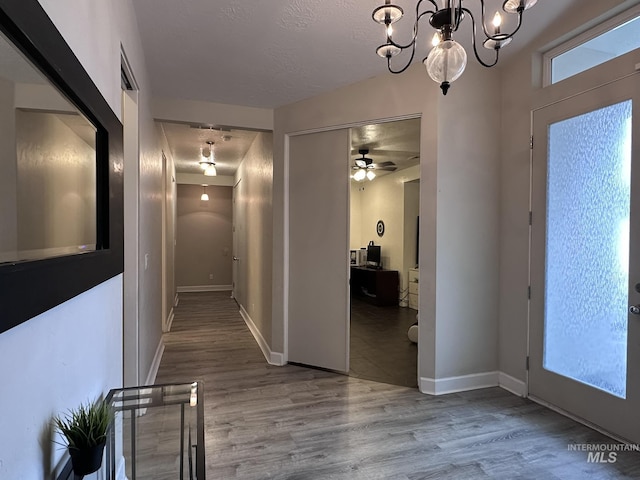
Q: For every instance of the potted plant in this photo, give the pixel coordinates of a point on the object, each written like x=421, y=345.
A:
x=85, y=431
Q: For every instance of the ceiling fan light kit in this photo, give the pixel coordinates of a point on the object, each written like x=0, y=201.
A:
x=447, y=59
x=364, y=167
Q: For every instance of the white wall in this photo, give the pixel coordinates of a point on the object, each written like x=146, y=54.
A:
x=468, y=226
x=214, y=114
x=383, y=199
x=74, y=352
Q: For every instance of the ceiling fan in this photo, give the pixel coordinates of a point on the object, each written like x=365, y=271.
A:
x=364, y=166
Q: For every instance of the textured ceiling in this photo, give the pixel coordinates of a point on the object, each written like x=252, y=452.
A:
x=270, y=53
x=185, y=143
x=397, y=142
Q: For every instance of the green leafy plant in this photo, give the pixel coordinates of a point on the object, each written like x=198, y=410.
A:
x=86, y=426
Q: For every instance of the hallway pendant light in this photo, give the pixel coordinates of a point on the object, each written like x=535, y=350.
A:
x=204, y=161
x=208, y=162
x=211, y=171
x=204, y=197
x=447, y=59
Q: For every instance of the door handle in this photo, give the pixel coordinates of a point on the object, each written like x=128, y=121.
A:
x=235, y=259
x=634, y=309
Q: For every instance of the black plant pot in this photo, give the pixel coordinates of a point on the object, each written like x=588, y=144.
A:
x=86, y=461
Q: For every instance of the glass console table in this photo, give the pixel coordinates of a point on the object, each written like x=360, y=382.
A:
x=157, y=434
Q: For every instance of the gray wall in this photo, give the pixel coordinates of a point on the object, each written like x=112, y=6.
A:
x=204, y=236
x=56, y=183
x=456, y=247
x=8, y=175
x=256, y=173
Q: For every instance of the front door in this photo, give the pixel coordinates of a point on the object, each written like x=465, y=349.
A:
x=585, y=257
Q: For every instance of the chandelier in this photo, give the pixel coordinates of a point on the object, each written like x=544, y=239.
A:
x=447, y=59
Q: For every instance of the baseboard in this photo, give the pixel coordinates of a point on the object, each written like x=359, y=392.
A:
x=155, y=365
x=273, y=358
x=204, y=288
x=442, y=386
x=511, y=384
x=170, y=319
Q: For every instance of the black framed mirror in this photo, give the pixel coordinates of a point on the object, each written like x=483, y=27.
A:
x=61, y=220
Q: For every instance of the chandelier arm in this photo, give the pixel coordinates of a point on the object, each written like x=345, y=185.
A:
x=413, y=53
x=473, y=42
x=415, y=31
x=498, y=36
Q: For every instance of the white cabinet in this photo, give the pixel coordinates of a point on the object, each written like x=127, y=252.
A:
x=414, y=282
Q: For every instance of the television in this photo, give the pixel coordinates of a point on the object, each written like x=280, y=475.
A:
x=373, y=256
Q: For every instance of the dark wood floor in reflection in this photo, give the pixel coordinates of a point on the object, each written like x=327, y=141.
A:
x=380, y=348
x=295, y=423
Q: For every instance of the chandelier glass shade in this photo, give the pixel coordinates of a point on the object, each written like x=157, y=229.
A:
x=447, y=59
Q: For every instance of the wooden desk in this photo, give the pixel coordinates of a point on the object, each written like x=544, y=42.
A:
x=379, y=287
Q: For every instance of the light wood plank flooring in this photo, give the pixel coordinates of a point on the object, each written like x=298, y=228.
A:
x=295, y=423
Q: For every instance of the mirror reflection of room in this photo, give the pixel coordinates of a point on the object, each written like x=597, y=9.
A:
x=384, y=217
x=47, y=167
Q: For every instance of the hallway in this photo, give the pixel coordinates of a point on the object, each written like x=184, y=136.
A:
x=297, y=423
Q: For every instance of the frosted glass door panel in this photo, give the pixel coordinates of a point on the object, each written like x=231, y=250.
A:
x=587, y=248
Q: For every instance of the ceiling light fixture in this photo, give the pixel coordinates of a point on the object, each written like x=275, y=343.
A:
x=208, y=162
x=359, y=175
x=364, y=167
x=447, y=59
x=204, y=197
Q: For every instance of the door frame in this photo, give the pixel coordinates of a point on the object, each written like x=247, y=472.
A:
x=286, y=220
x=131, y=192
x=608, y=73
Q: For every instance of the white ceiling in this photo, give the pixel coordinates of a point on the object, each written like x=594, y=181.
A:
x=270, y=53
x=185, y=143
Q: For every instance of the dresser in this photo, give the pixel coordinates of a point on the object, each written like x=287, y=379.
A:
x=414, y=287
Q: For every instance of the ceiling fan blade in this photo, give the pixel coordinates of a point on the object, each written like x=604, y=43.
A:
x=387, y=169
x=385, y=164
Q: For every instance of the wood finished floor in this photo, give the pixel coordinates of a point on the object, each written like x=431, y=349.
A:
x=295, y=423
x=380, y=348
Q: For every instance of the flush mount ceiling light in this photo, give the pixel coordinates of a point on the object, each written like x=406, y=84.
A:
x=207, y=162
x=204, y=197
x=447, y=59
